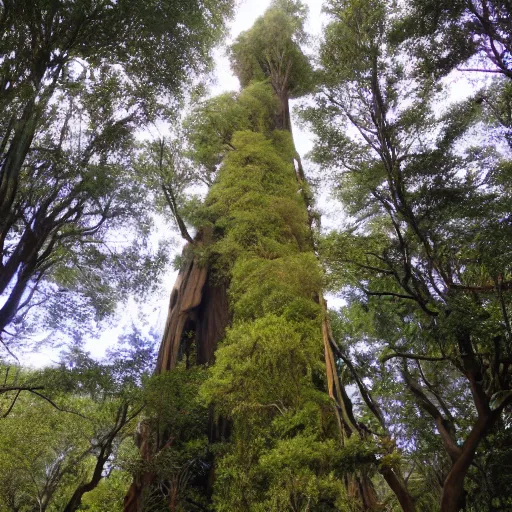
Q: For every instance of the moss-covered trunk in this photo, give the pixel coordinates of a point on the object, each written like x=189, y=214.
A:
x=248, y=303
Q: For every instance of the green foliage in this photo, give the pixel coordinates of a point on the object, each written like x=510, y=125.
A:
x=443, y=35
x=271, y=50
x=178, y=422
x=292, y=476
x=49, y=450
x=281, y=286
x=64, y=429
x=490, y=481
x=353, y=36
x=268, y=376
x=275, y=357
x=40, y=445
x=78, y=79
x=110, y=493
x=172, y=405
x=211, y=125
x=419, y=260
x=255, y=205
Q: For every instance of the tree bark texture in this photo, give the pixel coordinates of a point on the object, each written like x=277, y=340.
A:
x=452, y=499
x=198, y=305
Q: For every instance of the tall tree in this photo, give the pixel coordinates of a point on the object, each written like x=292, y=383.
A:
x=251, y=278
x=255, y=239
x=425, y=210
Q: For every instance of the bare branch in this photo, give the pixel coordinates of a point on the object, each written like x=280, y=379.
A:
x=12, y=405
x=416, y=357
x=478, y=70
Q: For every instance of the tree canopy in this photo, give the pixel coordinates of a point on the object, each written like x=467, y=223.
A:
x=260, y=398
x=78, y=79
x=421, y=257
x=272, y=50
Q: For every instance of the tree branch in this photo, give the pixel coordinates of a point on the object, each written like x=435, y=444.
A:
x=416, y=357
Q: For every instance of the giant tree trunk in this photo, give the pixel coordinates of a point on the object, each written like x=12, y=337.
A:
x=198, y=304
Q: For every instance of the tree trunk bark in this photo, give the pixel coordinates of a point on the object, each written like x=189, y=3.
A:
x=399, y=489
x=196, y=304
x=284, y=121
x=452, y=499
x=76, y=500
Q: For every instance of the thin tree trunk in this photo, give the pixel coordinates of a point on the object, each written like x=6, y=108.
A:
x=16, y=154
x=76, y=500
x=346, y=416
x=452, y=499
x=399, y=490
x=10, y=308
x=283, y=121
